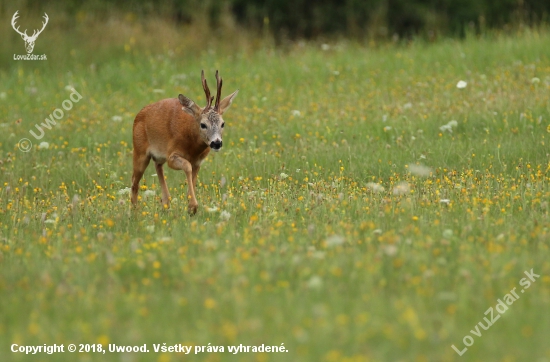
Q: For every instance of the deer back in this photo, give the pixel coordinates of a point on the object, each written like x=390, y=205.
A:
x=166, y=129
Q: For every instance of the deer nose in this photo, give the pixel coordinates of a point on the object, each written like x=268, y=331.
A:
x=216, y=145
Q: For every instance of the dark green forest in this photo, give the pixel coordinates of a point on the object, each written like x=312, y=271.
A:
x=304, y=19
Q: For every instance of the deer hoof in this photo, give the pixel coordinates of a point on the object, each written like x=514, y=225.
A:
x=192, y=209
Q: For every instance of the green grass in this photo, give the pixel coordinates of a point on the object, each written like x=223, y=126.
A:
x=311, y=256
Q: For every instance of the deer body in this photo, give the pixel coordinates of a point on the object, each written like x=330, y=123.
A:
x=178, y=132
x=179, y=128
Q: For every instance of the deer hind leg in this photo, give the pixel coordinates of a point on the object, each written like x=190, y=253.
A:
x=140, y=165
x=179, y=163
x=165, y=192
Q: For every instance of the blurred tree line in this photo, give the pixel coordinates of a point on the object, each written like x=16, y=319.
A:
x=294, y=19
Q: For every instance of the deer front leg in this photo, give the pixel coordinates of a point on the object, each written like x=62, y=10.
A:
x=179, y=163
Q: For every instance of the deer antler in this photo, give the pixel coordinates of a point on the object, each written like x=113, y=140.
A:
x=43, y=26
x=13, y=20
x=206, y=92
x=219, y=92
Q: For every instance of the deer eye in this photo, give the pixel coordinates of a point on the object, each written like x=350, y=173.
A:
x=203, y=126
x=223, y=124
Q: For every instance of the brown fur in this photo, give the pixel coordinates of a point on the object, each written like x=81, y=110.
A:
x=169, y=131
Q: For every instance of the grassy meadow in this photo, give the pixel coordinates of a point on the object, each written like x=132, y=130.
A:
x=363, y=208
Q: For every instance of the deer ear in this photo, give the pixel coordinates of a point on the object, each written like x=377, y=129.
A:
x=226, y=102
x=189, y=106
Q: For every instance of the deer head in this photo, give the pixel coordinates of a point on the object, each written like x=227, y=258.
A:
x=29, y=40
x=209, y=118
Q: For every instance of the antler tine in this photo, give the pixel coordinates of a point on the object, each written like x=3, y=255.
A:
x=46, y=18
x=13, y=20
x=206, y=92
x=219, y=92
x=37, y=32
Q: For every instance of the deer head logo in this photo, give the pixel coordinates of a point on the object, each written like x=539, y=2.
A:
x=29, y=40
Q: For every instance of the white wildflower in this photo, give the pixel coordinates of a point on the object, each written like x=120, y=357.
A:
x=535, y=80
x=124, y=191
x=445, y=201
x=283, y=175
x=390, y=250
x=446, y=128
x=148, y=193
x=449, y=126
x=373, y=186
x=420, y=170
x=461, y=84
x=335, y=240
x=447, y=233
x=401, y=188
x=116, y=118
x=296, y=113
x=315, y=282
x=44, y=145
x=225, y=215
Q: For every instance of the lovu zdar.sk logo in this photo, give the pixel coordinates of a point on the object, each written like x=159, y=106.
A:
x=29, y=40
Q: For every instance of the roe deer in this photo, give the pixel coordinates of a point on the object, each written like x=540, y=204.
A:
x=178, y=131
